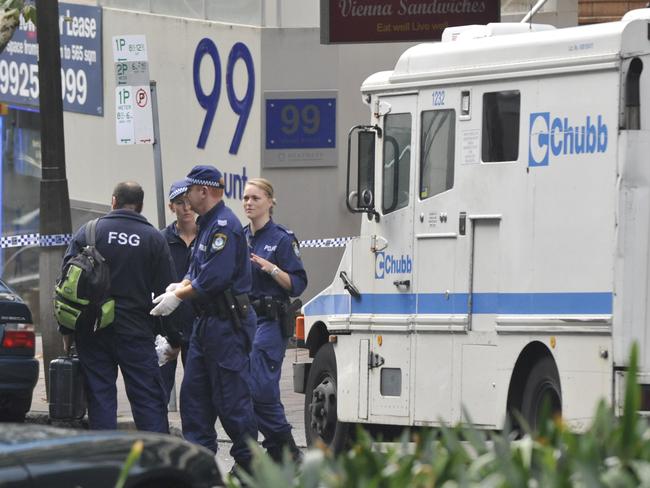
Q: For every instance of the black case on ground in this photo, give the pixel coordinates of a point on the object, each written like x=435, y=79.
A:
x=67, y=395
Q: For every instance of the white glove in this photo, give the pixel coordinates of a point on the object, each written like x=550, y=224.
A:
x=165, y=351
x=173, y=287
x=167, y=303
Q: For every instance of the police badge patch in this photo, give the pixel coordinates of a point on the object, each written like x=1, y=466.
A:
x=219, y=241
x=296, y=248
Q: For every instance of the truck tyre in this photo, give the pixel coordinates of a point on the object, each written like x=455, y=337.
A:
x=321, y=421
x=542, y=391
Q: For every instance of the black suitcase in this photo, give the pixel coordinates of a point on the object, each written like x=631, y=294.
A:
x=67, y=395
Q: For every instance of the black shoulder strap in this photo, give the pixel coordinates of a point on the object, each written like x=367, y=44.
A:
x=90, y=232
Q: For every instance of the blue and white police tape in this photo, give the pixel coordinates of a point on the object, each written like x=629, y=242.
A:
x=36, y=239
x=327, y=242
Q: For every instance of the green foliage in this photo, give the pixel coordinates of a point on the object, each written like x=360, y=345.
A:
x=19, y=7
x=613, y=452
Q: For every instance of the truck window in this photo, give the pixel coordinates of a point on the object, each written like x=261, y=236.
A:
x=437, y=138
x=500, y=126
x=396, y=162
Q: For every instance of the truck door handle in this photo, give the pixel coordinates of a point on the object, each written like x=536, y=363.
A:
x=349, y=286
x=404, y=283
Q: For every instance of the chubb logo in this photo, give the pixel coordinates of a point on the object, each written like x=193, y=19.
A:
x=387, y=264
x=561, y=137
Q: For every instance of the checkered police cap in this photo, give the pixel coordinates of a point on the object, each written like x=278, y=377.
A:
x=204, y=175
x=177, y=189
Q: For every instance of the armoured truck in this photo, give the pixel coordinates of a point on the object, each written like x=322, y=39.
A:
x=503, y=259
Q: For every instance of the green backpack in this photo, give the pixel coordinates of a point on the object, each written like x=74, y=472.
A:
x=81, y=296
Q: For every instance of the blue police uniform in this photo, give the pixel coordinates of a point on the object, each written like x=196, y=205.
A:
x=183, y=316
x=140, y=264
x=279, y=246
x=215, y=383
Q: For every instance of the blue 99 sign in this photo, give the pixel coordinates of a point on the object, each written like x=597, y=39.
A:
x=209, y=100
x=300, y=123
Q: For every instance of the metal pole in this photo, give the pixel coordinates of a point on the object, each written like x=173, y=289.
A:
x=533, y=11
x=55, y=203
x=157, y=157
x=160, y=191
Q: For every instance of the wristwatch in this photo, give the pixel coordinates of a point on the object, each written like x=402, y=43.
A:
x=274, y=271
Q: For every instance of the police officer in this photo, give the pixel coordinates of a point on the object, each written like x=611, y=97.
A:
x=180, y=236
x=140, y=264
x=278, y=273
x=215, y=383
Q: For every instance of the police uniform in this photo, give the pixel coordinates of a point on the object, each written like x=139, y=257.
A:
x=279, y=246
x=215, y=383
x=183, y=316
x=140, y=264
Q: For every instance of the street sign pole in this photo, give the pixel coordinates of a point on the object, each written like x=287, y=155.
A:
x=157, y=158
x=160, y=192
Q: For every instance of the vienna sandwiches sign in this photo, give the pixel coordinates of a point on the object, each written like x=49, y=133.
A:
x=400, y=20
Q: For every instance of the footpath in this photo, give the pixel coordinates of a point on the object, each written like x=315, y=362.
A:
x=293, y=404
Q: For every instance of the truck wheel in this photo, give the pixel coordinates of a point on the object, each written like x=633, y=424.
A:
x=542, y=394
x=321, y=421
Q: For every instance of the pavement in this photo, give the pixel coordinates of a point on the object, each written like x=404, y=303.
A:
x=293, y=404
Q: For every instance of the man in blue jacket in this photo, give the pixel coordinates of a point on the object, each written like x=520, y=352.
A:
x=215, y=384
x=140, y=265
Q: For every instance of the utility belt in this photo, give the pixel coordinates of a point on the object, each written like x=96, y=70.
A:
x=282, y=311
x=269, y=307
x=226, y=306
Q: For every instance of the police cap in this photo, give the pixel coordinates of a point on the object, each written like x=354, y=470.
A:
x=177, y=189
x=204, y=175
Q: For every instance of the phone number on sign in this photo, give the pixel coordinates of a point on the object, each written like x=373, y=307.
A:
x=21, y=79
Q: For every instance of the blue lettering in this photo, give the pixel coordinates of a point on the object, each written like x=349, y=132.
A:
x=388, y=265
x=556, y=135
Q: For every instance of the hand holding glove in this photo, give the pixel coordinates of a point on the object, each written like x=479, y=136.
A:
x=165, y=351
x=166, y=303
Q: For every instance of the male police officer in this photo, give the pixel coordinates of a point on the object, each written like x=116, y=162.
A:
x=215, y=383
x=140, y=264
x=180, y=236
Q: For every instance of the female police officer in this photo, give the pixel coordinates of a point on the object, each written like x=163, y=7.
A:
x=278, y=273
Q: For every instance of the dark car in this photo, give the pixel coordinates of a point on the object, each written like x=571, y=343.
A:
x=18, y=367
x=41, y=456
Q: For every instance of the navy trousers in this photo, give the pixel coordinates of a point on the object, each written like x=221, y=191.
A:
x=215, y=385
x=100, y=354
x=266, y=367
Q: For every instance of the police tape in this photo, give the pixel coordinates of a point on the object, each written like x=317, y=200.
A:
x=327, y=242
x=36, y=239
x=25, y=240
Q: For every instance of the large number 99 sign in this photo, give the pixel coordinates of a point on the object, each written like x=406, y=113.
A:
x=210, y=101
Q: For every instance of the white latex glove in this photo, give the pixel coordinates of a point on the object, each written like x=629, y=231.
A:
x=172, y=287
x=161, y=344
x=166, y=304
x=165, y=351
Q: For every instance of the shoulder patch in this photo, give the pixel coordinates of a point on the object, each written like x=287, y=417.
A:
x=222, y=223
x=219, y=241
x=296, y=248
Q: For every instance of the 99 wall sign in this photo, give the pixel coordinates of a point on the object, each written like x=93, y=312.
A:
x=299, y=129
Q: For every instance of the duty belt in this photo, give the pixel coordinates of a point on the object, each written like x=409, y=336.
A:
x=269, y=307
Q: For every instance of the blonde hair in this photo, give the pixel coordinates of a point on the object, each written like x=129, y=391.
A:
x=266, y=186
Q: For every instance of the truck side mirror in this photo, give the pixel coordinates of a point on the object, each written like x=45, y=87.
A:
x=362, y=200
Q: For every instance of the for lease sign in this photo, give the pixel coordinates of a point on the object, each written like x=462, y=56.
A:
x=400, y=20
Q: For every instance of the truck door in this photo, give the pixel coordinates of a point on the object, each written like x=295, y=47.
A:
x=392, y=303
x=442, y=298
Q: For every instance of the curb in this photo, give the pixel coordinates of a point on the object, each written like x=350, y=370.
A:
x=123, y=423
